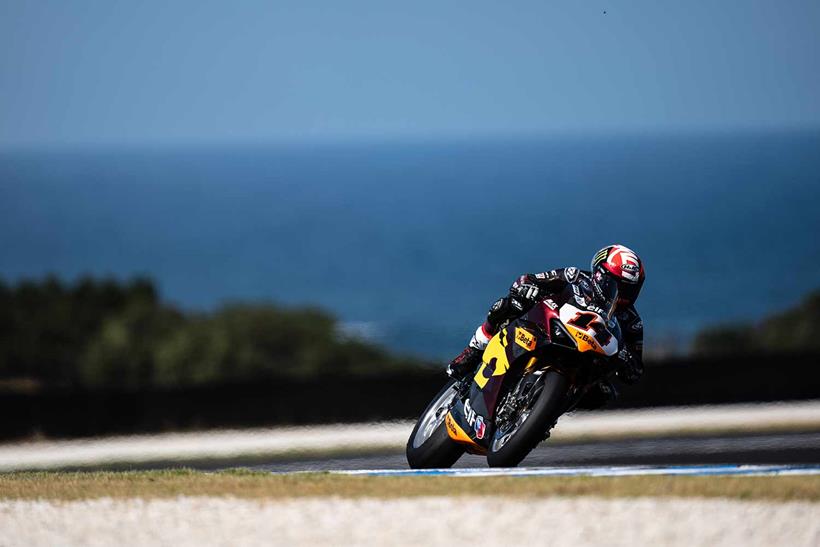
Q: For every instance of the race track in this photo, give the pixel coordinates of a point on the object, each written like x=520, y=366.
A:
x=602, y=471
x=793, y=448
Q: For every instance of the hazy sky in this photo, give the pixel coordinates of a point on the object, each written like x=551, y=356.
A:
x=79, y=71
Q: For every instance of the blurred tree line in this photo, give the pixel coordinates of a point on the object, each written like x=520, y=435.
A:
x=96, y=333
x=796, y=330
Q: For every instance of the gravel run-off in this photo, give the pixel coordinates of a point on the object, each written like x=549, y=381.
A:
x=409, y=521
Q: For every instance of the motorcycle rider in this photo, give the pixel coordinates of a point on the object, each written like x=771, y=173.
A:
x=614, y=266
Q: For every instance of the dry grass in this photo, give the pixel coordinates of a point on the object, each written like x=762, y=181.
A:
x=260, y=485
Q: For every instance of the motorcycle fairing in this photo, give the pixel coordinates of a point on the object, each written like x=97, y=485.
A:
x=470, y=421
x=589, y=330
x=455, y=431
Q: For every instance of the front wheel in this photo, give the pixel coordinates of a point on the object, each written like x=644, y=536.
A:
x=429, y=445
x=512, y=441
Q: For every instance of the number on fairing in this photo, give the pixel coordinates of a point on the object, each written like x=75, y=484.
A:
x=587, y=320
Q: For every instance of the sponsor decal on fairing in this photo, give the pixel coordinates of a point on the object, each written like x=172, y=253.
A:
x=474, y=420
x=480, y=427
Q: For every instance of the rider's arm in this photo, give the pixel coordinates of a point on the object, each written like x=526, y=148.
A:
x=632, y=328
x=552, y=281
x=524, y=292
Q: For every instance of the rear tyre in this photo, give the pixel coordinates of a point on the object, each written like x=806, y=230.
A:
x=429, y=446
x=511, y=444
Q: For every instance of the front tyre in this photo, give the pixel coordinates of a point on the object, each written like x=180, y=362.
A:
x=429, y=446
x=511, y=443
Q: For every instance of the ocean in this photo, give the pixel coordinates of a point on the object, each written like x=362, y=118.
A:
x=408, y=243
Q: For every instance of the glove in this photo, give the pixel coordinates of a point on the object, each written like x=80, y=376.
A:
x=523, y=293
x=630, y=369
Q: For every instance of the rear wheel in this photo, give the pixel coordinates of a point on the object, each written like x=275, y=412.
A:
x=527, y=426
x=429, y=446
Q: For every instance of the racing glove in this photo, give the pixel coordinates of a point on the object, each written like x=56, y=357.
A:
x=630, y=368
x=523, y=294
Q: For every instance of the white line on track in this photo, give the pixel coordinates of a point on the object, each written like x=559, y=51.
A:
x=604, y=471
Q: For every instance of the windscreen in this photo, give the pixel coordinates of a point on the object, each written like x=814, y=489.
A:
x=606, y=292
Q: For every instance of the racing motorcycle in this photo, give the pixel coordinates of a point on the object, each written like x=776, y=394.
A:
x=535, y=369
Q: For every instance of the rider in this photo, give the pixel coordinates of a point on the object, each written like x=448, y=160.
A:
x=614, y=266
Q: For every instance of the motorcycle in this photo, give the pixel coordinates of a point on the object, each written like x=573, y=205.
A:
x=535, y=369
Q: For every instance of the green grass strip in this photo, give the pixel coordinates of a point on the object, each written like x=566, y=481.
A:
x=261, y=485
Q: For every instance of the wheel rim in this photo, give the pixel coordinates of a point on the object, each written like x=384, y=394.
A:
x=434, y=416
x=502, y=436
x=500, y=441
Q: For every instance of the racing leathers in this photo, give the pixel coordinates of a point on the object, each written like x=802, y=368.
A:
x=528, y=289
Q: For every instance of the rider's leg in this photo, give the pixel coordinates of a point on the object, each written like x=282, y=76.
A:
x=467, y=361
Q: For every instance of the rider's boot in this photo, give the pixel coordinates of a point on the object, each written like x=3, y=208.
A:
x=465, y=363
x=469, y=359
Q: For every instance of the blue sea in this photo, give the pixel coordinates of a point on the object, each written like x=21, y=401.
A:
x=409, y=242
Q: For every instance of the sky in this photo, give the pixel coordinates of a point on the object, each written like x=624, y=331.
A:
x=111, y=72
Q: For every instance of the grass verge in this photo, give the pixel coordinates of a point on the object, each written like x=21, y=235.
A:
x=260, y=485
x=207, y=463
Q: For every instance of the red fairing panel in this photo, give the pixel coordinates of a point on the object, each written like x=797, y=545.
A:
x=541, y=314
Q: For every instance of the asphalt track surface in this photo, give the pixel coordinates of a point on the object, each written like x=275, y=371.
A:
x=792, y=448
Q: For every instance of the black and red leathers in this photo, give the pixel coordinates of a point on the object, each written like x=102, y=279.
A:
x=528, y=289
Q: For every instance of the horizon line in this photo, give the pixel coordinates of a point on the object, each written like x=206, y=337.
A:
x=367, y=139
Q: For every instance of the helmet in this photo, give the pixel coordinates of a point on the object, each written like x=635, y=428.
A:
x=619, y=266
